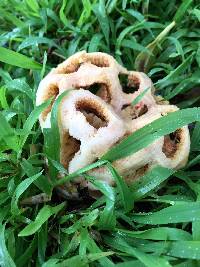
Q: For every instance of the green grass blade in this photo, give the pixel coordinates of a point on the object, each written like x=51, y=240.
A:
x=149, y=133
x=16, y=59
x=147, y=259
x=173, y=74
x=12, y=18
x=5, y=258
x=107, y=217
x=145, y=59
x=93, y=248
x=94, y=43
x=35, y=41
x=21, y=188
x=183, y=212
x=42, y=182
x=31, y=120
x=86, y=221
x=197, y=13
x=8, y=134
x=152, y=179
x=44, y=214
x=160, y=233
x=100, y=12
x=182, y=10
x=81, y=171
x=24, y=258
x=124, y=191
x=139, y=97
x=21, y=86
x=62, y=14
x=3, y=100
x=195, y=140
x=52, y=136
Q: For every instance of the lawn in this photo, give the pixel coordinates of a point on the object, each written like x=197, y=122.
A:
x=155, y=222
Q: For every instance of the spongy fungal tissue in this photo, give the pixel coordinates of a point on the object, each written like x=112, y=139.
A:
x=98, y=113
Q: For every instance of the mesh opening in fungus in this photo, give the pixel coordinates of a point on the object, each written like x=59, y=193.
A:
x=100, y=89
x=129, y=84
x=171, y=142
x=138, y=173
x=141, y=171
x=70, y=146
x=104, y=93
x=132, y=112
x=92, y=113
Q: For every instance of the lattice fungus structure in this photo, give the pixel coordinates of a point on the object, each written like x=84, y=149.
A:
x=98, y=113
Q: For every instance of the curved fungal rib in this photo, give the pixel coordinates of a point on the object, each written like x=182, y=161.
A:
x=98, y=59
x=71, y=64
x=48, y=88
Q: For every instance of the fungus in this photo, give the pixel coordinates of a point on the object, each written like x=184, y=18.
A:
x=98, y=113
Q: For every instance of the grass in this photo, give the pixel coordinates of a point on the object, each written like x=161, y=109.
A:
x=154, y=222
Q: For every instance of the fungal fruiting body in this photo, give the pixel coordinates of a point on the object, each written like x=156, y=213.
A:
x=98, y=113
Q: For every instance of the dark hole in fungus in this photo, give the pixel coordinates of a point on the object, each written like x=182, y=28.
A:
x=141, y=171
x=99, y=89
x=129, y=84
x=138, y=173
x=70, y=146
x=92, y=112
x=131, y=112
x=125, y=106
x=171, y=142
x=143, y=110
